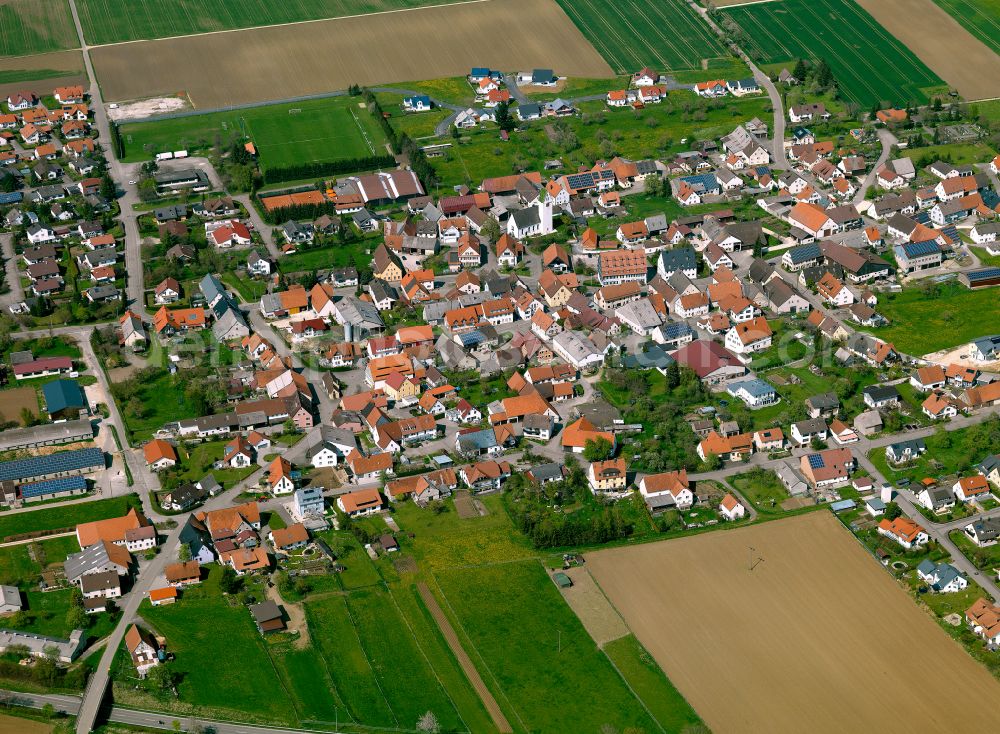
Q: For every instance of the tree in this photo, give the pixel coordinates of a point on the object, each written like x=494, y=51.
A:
x=673, y=375
x=108, y=188
x=48, y=711
x=428, y=723
x=76, y=618
x=505, y=120
x=824, y=74
x=147, y=190
x=892, y=511
x=229, y=582
x=491, y=229
x=184, y=553
x=597, y=449
x=799, y=72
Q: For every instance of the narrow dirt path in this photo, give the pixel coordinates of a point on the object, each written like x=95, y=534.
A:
x=463, y=659
x=296, y=617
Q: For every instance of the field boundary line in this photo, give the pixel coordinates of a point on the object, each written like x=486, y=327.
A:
x=368, y=659
x=475, y=649
x=423, y=654
x=464, y=662
x=290, y=23
x=635, y=695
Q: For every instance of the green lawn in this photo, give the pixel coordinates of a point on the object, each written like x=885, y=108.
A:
x=597, y=133
x=22, y=564
x=196, y=462
x=762, y=488
x=36, y=27
x=532, y=651
x=329, y=256
x=671, y=711
x=631, y=34
x=217, y=646
x=109, y=21
x=871, y=66
x=921, y=322
x=70, y=516
x=322, y=130
x=415, y=124
x=986, y=258
x=161, y=399
x=447, y=541
x=957, y=452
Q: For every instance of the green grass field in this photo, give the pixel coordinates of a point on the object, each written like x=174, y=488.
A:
x=36, y=27
x=110, y=21
x=544, y=669
x=641, y=672
x=200, y=648
x=631, y=34
x=598, y=133
x=948, y=452
x=981, y=18
x=869, y=64
x=921, y=323
x=322, y=130
x=54, y=518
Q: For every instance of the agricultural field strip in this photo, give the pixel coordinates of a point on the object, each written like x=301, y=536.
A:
x=312, y=59
x=625, y=61
x=759, y=28
x=423, y=654
x=368, y=660
x=586, y=16
x=466, y=642
x=137, y=35
x=974, y=18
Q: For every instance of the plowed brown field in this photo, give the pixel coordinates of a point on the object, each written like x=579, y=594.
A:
x=816, y=638
x=235, y=67
x=941, y=42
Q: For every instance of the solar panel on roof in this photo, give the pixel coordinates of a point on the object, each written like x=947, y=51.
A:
x=52, y=486
x=922, y=218
x=815, y=461
x=983, y=274
x=67, y=461
x=951, y=231
x=916, y=249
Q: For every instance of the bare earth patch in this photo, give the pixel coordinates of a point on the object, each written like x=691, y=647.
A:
x=147, y=108
x=587, y=600
x=940, y=41
x=816, y=638
x=261, y=64
x=464, y=505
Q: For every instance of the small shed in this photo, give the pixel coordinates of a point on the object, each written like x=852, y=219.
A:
x=268, y=617
x=562, y=580
x=388, y=543
x=843, y=505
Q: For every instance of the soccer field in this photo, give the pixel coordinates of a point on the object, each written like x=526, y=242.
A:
x=36, y=27
x=112, y=21
x=285, y=134
x=630, y=34
x=869, y=64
